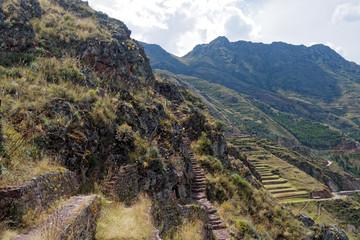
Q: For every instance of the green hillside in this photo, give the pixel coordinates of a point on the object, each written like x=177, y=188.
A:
x=314, y=84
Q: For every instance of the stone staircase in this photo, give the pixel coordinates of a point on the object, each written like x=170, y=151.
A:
x=198, y=193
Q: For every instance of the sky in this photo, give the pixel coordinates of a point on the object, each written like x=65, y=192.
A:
x=179, y=25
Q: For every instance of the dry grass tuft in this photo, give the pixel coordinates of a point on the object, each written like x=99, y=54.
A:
x=118, y=221
x=189, y=230
x=7, y=233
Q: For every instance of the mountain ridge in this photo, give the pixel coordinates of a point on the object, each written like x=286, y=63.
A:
x=308, y=82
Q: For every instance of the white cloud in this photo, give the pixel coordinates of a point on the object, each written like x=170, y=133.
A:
x=178, y=25
x=346, y=12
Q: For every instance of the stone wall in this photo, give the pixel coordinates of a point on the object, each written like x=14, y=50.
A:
x=82, y=225
x=36, y=194
x=75, y=219
x=168, y=216
x=134, y=178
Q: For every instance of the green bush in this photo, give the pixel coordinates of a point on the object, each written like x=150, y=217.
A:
x=220, y=125
x=211, y=164
x=239, y=181
x=125, y=138
x=203, y=145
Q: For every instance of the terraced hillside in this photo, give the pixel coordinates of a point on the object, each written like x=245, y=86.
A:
x=282, y=179
x=279, y=187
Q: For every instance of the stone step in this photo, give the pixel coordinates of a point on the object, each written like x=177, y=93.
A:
x=274, y=182
x=200, y=177
x=219, y=226
x=283, y=191
x=211, y=211
x=199, y=174
x=221, y=234
x=198, y=196
x=213, y=217
x=269, y=178
x=196, y=190
x=198, y=183
x=216, y=222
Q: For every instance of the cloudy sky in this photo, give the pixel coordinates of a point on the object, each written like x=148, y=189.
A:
x=178, y=25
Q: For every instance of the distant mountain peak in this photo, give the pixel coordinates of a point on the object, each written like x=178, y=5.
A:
x=220, y=40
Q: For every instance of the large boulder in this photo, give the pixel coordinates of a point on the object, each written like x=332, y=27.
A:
x=329, y=232
x=306, y=220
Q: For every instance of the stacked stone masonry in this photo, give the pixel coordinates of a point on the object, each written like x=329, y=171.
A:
x=36, y=194
x=76, y=219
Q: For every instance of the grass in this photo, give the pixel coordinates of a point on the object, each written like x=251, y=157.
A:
x=23, y=172
x=118, y=221
x=58, y=23
x=26, y=91
x=189, y=230
x=7, y=233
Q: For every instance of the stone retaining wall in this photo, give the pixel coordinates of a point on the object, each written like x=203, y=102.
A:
x=75, y=219
x=36, y=194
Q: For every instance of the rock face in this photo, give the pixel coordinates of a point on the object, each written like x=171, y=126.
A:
x=306, y=220
x=169, y=216
x=170, y=91
x=329, y=232
x=162, y=187
x=322, y=231
x=115, y=54
x=16, y=34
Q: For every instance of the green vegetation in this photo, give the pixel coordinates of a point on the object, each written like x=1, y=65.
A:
x=203, y=145
x=349, y=162
x=343, y=212
x=268, y=156
x=310, y=133
x=247, y=211
x=254, y=87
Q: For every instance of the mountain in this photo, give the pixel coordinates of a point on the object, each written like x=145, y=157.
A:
x=282, y=83
x=94, y=145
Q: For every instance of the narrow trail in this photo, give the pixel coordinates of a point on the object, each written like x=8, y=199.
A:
x=198, y=194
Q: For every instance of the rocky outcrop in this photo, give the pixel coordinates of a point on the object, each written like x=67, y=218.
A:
x=36, y=195
x=76, y=219
x=322, y=231
x=219, y=148
x=169, y=90
x=170, y=215
x=329, y=232
x=194, y=124
x=169, y=185
x=306, y=220
x=16, y=34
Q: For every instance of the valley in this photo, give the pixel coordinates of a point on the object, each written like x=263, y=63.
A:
x=104, y=137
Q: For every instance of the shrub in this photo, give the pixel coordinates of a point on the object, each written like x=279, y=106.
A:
x=240, y=182
x=220, y=125
x=211, y=164
x=125, y=137
x=203, y=145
